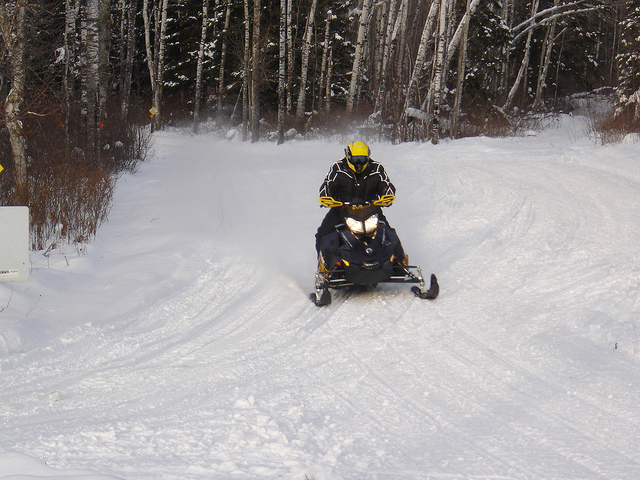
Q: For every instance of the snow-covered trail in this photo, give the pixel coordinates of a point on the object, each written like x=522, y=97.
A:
x=218, y=366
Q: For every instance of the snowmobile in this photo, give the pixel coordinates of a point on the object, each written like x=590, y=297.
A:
x=363, y=252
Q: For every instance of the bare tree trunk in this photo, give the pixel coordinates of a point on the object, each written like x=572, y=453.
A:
x=155, y=54
x=104, y=46
x=71, y=19
x=551, y=13
x=128, y=31
x=462, y=63
x=151, y=59
x=223, y=62
x=524, y=65
x=505, y=68
x=356, y=71
x=325, y=58
x=290, y=53
x=282, y=64
x=436, y=86
x=399, y=58
x=12, y=27
x=159, y=118
x=91, y=73
x=246, y=71
x=151, y=64
x=400, y=53
x=543, y=70
x=380, y=27
x=306, y=46
x=421, y=58
x=255, y=74
x=457, y=36
x=328, y=85
x=124, y=10
x=198, y=90
x=386, y=54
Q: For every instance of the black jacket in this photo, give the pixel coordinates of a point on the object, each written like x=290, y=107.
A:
x=345, y=185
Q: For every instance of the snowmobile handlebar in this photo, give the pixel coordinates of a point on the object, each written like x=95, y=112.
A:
x=384, y=200
x=330, y=202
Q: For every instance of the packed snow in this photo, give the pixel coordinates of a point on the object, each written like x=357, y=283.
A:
x=181, y=343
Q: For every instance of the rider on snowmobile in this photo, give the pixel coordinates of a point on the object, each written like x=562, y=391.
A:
x=354, y=179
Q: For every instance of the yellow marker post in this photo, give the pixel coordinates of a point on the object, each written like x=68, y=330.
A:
x=1, y=168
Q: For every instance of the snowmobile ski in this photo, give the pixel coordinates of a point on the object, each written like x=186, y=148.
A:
x=432, y=293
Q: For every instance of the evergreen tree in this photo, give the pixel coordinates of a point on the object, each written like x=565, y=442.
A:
x=629, y=62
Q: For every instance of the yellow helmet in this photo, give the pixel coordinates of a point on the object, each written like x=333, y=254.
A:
x=358, y=156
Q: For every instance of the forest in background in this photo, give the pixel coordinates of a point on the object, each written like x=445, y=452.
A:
x=81, y=81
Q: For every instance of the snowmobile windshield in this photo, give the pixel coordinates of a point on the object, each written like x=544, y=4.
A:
x=360, y=212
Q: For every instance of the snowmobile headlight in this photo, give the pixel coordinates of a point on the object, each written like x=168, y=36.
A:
x=354, y=225
x=366, y=227
x=370, y=224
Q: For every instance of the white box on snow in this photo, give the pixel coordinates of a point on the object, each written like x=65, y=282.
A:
x=14, y=244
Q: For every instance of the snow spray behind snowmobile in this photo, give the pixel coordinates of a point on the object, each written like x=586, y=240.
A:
x=362, y=252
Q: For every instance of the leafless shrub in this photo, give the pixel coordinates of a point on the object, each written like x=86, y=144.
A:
x=611, y=127
x=70, y=191
x=68, y=202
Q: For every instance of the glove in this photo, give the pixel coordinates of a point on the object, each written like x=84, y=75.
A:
x=384, y=200
x=329, y=202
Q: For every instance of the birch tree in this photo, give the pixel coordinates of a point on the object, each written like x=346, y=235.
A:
x=71, y=18
x=12, y=27
x=127, y=54
x=155, y=52
x=398, y=69
x=290, y=56
x=421, y=57
x=199, y=67
x=524, y=65
x=306, y=47
x=381, y=15
x=94, y=70
x=151, y=65
x=386, y=54
x=246, y=70
x=436, y=84
x=328, y=86
x=255, y=74
x=90, y=76
x=324, y=63
x=543, y=69
x=462, y=63
x=507, y=13
x=394, y=19
x=161, y=42
x=454, y=44
x=223, y=61
x=356, y=70
x=104, y=47
x=282, y=64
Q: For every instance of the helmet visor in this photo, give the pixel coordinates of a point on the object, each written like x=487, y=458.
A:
x=359, y=163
